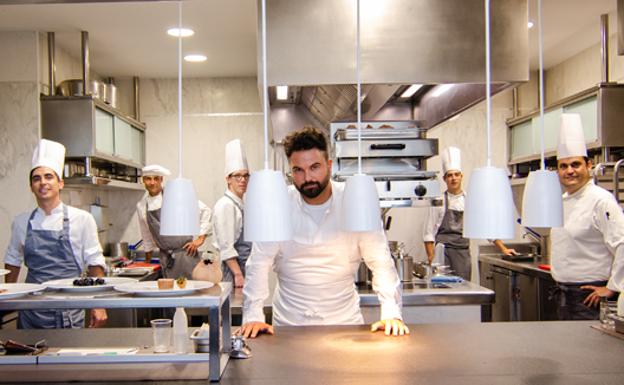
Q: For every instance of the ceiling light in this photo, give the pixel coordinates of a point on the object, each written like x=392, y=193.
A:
x=183, y=32
x=439, y=90
x=195, y=58
x=411, y=90
x=282, y=92
x=530, y=24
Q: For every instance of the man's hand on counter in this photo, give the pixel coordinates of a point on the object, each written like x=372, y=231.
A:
x=98, y=318
x=394, y=327
x=252, y=329
x=593, y=299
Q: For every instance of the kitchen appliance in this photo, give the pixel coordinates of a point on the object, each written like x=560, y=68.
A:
x=394, y=154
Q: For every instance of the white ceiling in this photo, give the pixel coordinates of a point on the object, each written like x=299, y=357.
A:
x=129, y=39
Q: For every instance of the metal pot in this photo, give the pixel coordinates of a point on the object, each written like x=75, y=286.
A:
x=98, y=89
x=405, y=268
x=118, y=249
x=110, y=97
x=70, y=87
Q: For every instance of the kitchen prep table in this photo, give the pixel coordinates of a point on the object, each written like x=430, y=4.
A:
x=504, y=353
x=216, y=299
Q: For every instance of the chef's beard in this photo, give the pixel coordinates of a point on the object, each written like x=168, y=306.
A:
x=313, y=192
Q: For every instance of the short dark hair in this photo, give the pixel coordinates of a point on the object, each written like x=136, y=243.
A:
x=33, y=170
x=307, y=138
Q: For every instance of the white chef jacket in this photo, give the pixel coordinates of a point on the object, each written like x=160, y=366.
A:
x=436, y=214
x=154, y=203
x=227, y=223
x=590, y=245
x=83, y=235
x=316, y=270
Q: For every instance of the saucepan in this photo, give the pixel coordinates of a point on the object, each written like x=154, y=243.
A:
x=118, y=249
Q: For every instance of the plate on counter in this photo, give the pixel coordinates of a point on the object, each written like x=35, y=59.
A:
x=67, y=284
x=134, y=271
x=150, y=288
x=16, y=290
x=4, y=272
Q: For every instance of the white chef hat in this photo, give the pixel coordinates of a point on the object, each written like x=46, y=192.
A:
x=451, y=159
x=49, y=154
x=571, y=141
x=155, y=170
x=235, y=158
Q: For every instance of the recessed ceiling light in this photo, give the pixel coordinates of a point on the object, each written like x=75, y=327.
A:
x=195, y=58
x=439, y=90
x=530, y=24
x=411, y=90
x=282, y=92
x=184, y=32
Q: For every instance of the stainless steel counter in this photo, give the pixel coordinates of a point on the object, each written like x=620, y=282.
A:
x=487, y=353
x=530, y=267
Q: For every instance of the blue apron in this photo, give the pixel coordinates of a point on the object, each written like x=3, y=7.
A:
x=48, y=255
x=242, y=247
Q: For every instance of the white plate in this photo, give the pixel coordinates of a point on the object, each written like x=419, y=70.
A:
x=4, y=272
x=67, y=284
x=135, y=271
x=14, y=290
x=150, y=288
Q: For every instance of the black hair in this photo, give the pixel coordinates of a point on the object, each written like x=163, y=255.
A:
x=33, y=170
x=307, y=138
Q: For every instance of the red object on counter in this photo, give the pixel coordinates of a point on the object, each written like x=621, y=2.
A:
x=544, y=267
x=154, y=266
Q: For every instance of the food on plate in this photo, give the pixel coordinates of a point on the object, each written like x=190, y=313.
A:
x=89, y=281
x=181, y=282
x=165, y=283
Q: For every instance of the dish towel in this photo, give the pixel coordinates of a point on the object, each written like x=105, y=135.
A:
x=446, y=278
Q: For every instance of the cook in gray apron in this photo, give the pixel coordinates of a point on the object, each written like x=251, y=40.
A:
x=242, y=247
x=456, y=247
x=174, y=260
x=570, y=299
x=48, y=255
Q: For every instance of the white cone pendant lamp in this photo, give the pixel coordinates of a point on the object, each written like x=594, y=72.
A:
x=179, y=215
x=267, y=205
x=489, y=211
x=360, y=204
x=542, y=204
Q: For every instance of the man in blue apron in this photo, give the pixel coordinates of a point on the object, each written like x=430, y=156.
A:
x=228, y=216
x=178, y=254
x=444, y=227
x=588, y=251
x=54, y=241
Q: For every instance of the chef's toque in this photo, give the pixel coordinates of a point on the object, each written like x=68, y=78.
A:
x=451, y=159
x=155, y=170
x=235, y=158
x=571, y=141
x=49, y=154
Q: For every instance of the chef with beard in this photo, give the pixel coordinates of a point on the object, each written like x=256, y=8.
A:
x=316, y=269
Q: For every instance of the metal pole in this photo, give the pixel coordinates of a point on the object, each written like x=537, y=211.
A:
x=85, y=63
x=604, y=47
x=51, y=65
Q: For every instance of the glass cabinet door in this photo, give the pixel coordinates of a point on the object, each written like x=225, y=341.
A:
x=138, y=154
x=123, y=139
x=104, y=136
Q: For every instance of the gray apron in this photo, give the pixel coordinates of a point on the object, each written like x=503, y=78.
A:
x=48, y=255
x=173, y=258
x=570, y=299
x=456, y=247
x=242, y=247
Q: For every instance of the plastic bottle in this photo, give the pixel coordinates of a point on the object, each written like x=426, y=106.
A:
x=180, y=331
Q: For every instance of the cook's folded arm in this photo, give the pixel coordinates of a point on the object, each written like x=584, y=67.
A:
x=256, y=289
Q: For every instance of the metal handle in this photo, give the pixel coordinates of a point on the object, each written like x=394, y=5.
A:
x=390, y=146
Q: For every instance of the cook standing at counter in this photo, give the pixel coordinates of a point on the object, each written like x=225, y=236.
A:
x=227, y=219
x=178, y=254
x=316, y=269
x=588, y=251
x=444, y=227
x=54, y=241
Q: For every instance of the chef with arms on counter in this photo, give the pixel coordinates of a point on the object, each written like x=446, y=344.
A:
x=54, y=241
x=227, y=219
x=588, y=251
x=178, y=254
x=316, y=269
x=444, y=227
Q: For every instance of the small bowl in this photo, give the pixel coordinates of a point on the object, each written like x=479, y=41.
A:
x=202, y=343
x=165, y=283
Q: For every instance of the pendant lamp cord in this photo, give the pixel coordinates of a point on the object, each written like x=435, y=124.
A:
x=180, y=89
x=265, y=89
x=359, y=84
x=488, y=83
x=541, y=81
